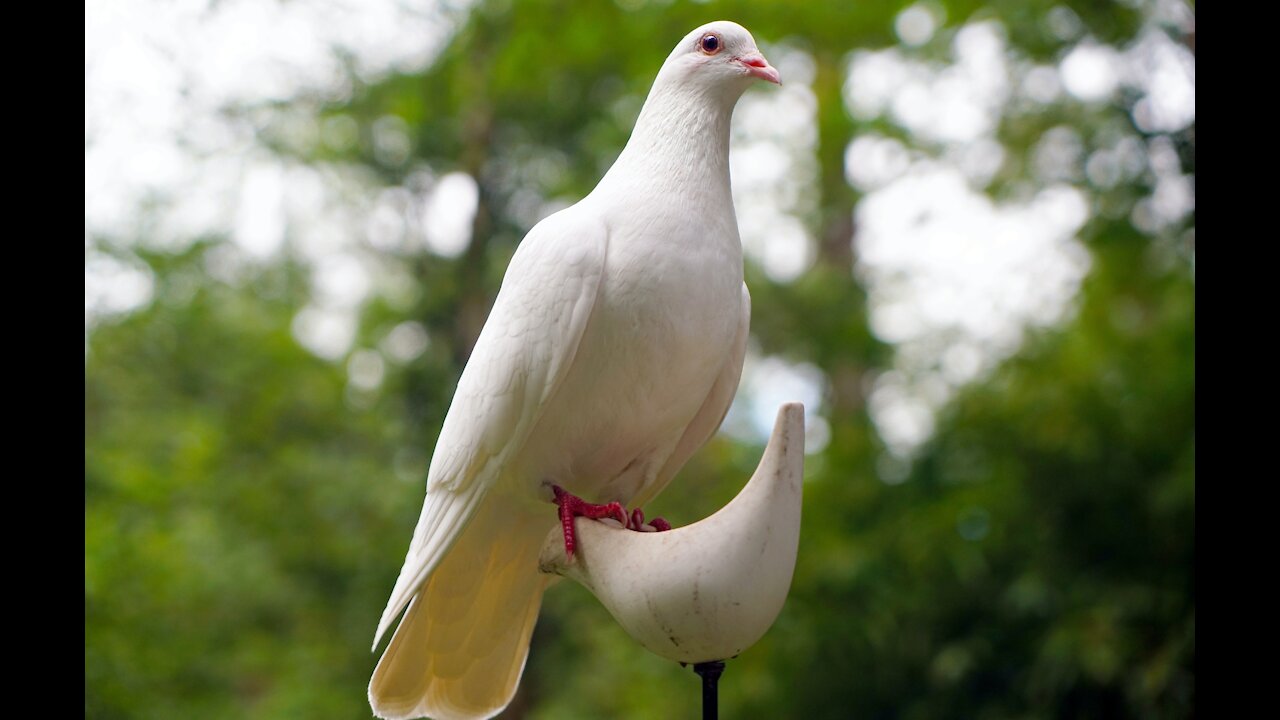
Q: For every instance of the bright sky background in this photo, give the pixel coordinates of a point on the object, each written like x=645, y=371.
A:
x=953, y=278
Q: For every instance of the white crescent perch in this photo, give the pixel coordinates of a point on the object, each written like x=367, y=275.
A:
x=709, y=590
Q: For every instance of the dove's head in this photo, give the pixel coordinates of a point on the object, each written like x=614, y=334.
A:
x=686, y=115
x=720, y=56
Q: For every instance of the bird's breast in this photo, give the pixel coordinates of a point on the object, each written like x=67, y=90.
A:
x=660, y=333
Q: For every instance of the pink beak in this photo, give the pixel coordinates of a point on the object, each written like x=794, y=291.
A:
x=758, y=67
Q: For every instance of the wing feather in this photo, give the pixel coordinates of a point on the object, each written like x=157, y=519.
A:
x=523, y=353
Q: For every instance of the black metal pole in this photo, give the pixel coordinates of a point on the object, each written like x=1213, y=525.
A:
x=710, y=672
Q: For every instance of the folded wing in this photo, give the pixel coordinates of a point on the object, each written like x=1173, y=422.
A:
x=523, y=353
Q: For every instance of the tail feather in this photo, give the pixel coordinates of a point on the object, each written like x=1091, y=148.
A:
x=461, y=647
x=444, y=518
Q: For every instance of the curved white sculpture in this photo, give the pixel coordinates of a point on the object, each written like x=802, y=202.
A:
x=709, y=590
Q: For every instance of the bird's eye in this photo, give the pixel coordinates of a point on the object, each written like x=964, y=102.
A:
x=710, y=43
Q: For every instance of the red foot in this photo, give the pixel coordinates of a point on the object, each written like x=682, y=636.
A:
x=572, y=506
x=637, y=522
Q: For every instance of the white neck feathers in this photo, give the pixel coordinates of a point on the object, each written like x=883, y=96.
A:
x=681, y=136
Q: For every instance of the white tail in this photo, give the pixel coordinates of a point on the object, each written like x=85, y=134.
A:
x=462, y=644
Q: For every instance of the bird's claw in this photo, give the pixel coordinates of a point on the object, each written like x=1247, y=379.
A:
x=655, y=525
x=572, y=506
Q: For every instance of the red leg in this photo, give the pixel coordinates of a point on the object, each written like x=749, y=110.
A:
x=572, y=506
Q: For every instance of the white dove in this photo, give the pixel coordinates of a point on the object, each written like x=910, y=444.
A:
x=612, y=353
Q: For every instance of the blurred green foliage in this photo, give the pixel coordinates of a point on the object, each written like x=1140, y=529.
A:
x=247, y=508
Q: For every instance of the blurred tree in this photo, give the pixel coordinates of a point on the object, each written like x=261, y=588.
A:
x=247, y=503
